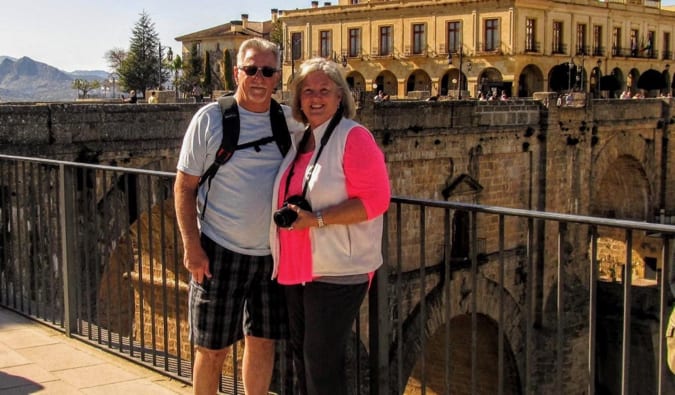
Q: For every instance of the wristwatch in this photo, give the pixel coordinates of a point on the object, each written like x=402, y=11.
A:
x=319, y=219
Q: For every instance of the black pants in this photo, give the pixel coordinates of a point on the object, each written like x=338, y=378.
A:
x=320, y=320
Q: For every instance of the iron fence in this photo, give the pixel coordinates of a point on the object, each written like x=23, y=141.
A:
x=472, y=299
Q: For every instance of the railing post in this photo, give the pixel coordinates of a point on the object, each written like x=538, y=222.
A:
x=379, y=323
x=68, y=247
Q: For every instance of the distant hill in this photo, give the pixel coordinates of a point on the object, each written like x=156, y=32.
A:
x=25, y=79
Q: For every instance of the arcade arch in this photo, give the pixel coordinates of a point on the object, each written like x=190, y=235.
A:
x=531, y=80
x=491, y=81
x=386, y=81
x=418, y=80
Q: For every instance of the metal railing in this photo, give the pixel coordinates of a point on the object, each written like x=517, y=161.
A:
x=471, y=299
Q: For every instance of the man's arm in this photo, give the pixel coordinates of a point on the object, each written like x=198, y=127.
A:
x=185, y=199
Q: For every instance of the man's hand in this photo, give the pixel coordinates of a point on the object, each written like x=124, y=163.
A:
x=197, y=263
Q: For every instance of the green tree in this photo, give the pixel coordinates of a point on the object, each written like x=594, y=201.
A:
x=277, y=33
x=84, y=87
x=228, y=82
x=192, y=69
x=115, y=57
x=140, y=69
x=176, y=66
x=206, y=73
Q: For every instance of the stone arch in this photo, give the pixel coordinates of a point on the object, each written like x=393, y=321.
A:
x=418, y=80
x=622, y=190
x=632, y=80
x=487, y=308
x=490, y=80
x=450, y=83
x=356, y=81
x=460, y=362
x=386, y=81
x=531, y=80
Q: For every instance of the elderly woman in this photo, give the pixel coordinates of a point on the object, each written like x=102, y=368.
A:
x=330, y=193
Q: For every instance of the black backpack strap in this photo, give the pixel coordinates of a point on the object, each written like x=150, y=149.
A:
x=279, y=127
x=230, y=137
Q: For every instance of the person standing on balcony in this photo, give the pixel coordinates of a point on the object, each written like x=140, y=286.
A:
x=226, y=242
x=330, y=194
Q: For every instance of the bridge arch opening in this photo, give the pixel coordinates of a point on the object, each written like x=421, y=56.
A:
x=459, y=380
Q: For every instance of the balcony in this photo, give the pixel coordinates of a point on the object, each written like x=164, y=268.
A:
x=94, y=251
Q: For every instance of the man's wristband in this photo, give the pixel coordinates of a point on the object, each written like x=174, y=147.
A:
x=319, y=219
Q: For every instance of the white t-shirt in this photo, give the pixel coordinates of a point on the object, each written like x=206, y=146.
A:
x=238, y=212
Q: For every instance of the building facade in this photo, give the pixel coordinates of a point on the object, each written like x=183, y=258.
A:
x=455, y=48
x=218, y=40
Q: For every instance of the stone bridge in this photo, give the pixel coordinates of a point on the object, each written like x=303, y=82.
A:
x=609, y=158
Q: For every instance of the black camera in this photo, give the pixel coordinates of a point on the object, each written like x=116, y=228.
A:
x=284, y=217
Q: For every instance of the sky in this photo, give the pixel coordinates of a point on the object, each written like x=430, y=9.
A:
x=75, y=34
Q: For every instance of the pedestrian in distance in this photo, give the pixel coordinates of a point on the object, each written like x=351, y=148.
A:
x=226, y=238
x=330, y=195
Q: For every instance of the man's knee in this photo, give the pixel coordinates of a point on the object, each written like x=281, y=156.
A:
x=260, y=345
x=212, y=356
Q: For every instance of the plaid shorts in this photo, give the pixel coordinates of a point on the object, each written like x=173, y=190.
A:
x=240, y=298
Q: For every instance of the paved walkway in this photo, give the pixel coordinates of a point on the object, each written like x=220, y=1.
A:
x=37, y=359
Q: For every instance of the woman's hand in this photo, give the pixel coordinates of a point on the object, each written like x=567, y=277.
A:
x=306, y=219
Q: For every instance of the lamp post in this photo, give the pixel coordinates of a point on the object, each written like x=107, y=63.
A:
x=111, y=78
x=159, y=45
x=571, y=67
x=599, y=77
x=459, y=77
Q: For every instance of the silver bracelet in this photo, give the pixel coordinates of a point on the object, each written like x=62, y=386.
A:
x=319, y=219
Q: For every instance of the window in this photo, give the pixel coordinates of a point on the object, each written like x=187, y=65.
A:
x=386, y=40
x=634, y=42
x=296, y=46
x=354, y=2
x=557, y=37
x=581, y=39
x=491, y=34
x=616, y=41
x=530, y=32
x=326, y=49
x=666, y=46
x=354, y=42
x=418, y=38
x=597, y=40
x=454, y=38
x=648, y=47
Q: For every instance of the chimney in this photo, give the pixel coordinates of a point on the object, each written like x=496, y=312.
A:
x=275, y=15
x=315, y=4
x=244, y=20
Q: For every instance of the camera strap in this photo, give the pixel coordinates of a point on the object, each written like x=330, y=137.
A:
x=324, y=140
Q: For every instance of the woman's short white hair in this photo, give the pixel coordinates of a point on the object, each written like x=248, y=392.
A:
x=333, y=72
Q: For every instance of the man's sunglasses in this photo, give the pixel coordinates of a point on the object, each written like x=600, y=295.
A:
x=266, y=71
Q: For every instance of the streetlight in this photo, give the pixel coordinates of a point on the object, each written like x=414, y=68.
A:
x=571, y=66
x=599, y=77
x=159, y=45
x=169, y=57
x=461, y=60
x=111, y=78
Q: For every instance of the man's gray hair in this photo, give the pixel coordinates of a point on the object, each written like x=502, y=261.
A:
x=261, y=45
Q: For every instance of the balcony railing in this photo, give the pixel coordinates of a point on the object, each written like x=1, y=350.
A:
x=495, y=297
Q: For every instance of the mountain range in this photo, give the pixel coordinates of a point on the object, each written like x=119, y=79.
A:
x=25, y=79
